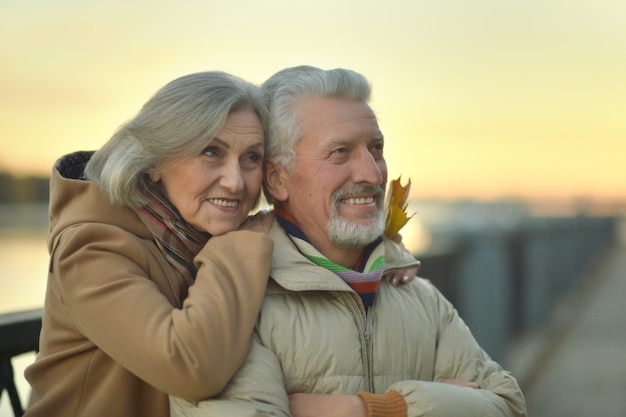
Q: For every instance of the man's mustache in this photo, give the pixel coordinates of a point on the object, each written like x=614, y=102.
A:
x=377, y=191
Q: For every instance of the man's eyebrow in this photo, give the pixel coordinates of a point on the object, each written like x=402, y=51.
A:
x=347, y=141
x=337, y=142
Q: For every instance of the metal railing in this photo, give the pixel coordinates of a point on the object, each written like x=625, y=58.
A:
x=505, y=282
x=19, y=333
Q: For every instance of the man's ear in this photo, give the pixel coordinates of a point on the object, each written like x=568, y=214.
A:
x=275, y=181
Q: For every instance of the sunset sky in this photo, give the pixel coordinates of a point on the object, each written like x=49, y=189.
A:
x=481, y=99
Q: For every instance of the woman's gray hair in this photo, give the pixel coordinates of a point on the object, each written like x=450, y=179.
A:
x=177, y=122
x=286, y=88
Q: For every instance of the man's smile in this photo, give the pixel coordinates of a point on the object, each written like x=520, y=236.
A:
x=358, y=200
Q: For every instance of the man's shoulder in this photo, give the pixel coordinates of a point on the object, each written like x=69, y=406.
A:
x=421, y=289
x=418, y=284
x=273, y=288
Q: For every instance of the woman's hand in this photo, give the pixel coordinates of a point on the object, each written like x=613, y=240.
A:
x=260, y=222
x=401, y=277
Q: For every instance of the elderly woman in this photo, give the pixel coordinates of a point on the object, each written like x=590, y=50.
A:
x=152, y=290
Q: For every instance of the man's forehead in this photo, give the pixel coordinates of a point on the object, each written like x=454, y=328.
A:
x=336, y=114
x=306, y=107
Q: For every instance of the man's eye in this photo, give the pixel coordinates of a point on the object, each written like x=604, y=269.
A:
x=377, y=149
x=340, y=150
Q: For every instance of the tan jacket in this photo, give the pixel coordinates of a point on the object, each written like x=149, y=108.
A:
x=314, y=336
x=122, y=328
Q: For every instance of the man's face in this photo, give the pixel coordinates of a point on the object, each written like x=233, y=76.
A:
x=336, y=190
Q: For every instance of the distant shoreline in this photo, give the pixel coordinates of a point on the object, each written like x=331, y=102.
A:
x=23, y=218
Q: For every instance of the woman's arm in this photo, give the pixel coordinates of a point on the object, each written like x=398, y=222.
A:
x=107, y=288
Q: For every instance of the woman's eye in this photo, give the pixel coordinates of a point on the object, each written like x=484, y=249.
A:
x=253, y=158
x=211, y=151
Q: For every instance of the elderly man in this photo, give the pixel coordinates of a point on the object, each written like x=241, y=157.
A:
x=332, y=339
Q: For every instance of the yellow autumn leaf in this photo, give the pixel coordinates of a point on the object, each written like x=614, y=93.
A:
x=397, y=204
x=399, y=194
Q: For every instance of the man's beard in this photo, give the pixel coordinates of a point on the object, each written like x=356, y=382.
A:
x=346, y=234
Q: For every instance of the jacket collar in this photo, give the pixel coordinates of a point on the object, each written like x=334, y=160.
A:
x=294, y=272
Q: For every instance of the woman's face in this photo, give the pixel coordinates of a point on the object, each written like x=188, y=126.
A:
x=215, y=191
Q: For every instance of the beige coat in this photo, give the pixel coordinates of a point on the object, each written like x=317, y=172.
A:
x=314, y=336
x=122, y=328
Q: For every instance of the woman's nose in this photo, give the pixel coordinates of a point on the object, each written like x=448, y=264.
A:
x=231, y=178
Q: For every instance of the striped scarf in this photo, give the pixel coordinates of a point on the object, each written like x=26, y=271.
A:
x=176, y=238
x=364, y=278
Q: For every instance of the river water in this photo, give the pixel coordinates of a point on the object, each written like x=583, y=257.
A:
x=23, y=266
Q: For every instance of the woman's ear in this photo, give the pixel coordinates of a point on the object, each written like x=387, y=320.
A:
x=275, y=181
x=154, y=176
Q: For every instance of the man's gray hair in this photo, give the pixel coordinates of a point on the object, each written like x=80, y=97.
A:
x=178, y=121
x=286, y=88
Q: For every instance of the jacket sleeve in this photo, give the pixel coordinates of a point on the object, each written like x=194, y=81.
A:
x=257, y=390
x=191, y=351
x=459, y=356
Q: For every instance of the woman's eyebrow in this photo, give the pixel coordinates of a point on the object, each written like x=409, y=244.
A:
x=217, y=141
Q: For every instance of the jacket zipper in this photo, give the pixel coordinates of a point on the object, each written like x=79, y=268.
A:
x=369, y=348
x=362, y=320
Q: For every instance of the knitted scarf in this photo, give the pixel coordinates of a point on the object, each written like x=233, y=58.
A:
x=176, y=238
x=364, y=278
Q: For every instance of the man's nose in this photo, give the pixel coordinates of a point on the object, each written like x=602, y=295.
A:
x=367, y=169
